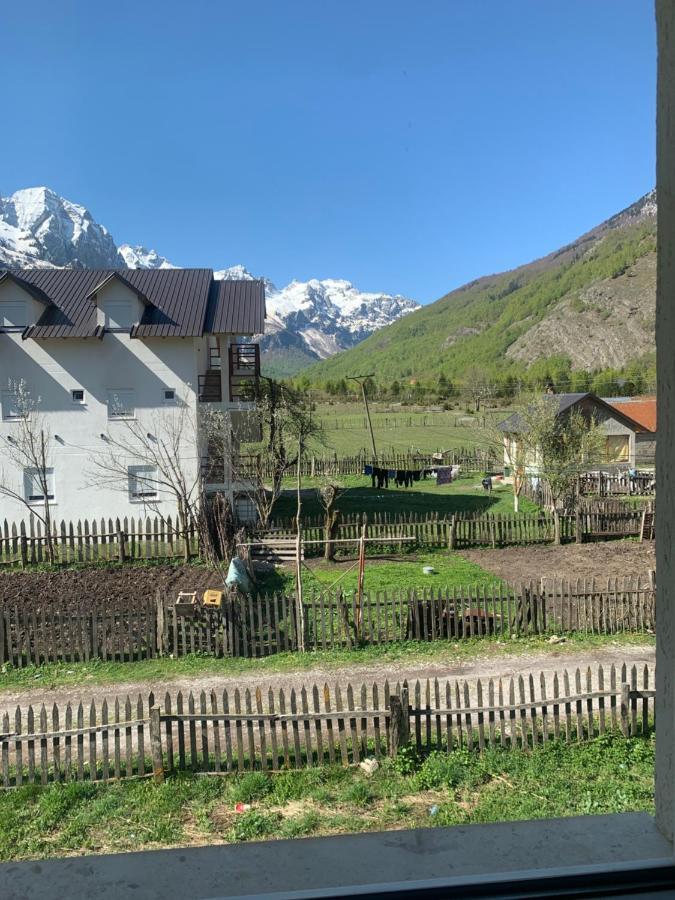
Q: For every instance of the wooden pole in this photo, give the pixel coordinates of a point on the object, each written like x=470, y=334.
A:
x=361, y=579
x=300, y=610
x=361, y=380
x=156, y=746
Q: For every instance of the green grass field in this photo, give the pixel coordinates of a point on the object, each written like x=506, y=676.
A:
x=609, y=775
x=381, y=575
x=399, y=428
x=466, y=495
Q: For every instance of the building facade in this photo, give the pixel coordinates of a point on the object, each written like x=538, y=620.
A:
x=621, y=433
x=110, y=367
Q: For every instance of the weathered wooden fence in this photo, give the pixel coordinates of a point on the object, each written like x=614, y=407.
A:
x=471, y=462
x=90, y=540
x=462, y=531
x=620, y=484
x=49, y=630
x=275, y=730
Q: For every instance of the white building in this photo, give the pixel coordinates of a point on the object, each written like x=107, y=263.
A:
x=106, y=353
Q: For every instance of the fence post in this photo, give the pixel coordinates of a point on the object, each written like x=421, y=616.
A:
x=120, y=545
x=625, y=701
x=452, y=537
x=23, y=547
x=399, y=721
x=156, y=745
x=579, y=528
x=159, y=621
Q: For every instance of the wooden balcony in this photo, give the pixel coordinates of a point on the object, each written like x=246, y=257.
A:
x=244, y=372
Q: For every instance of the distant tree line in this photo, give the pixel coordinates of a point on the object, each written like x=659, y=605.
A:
x=478, y=387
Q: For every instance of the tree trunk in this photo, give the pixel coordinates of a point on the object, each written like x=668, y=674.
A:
x=556, y=526
x=516, y=502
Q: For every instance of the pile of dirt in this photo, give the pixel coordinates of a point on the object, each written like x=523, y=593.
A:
x=127, y=582
x=610, y=559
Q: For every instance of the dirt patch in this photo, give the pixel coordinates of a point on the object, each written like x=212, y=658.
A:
x=610, y=559
x=106, y=583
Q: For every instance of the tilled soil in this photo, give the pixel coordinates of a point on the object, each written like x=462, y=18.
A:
x=611, y=559
x=115, y=583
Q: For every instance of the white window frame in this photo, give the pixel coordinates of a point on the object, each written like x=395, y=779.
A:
x=128, y=410
x=30, y=474
x=76, y=401
x=7, y=399
x=169, y=401
x=142, y=493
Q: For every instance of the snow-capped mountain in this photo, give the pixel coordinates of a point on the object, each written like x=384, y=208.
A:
x=36, y=223
x=329, y=315
x=141, y=258
x=306, y=320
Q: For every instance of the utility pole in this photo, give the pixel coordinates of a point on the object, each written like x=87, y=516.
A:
x=361, y=379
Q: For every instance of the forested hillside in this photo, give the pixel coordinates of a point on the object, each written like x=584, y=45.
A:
x=586, y=308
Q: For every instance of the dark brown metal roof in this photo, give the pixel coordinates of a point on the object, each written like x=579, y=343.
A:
x=237, y=307
x=181, y=302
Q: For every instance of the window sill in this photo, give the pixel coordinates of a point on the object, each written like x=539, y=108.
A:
x=433, y=858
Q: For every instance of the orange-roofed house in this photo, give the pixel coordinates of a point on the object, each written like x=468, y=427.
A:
x=643, y=411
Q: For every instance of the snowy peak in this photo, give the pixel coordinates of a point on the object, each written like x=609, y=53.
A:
x=306, y=320
x=139, y=257
x=55, y=230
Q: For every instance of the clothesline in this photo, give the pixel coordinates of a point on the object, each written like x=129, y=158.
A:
x=380, y=477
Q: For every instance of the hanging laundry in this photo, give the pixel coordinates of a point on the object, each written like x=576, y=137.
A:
x=367, y=470
x=444, y=475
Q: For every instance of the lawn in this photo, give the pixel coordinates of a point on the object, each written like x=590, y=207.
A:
x=399, y=573
x=399, y=428
x=466, y=495
x=609, y=775
x=163, y=670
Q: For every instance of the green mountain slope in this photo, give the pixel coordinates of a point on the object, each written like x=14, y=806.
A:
x=589, y=305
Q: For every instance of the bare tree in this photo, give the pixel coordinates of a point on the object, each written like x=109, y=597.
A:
x=159, y=458
x=28, y=450
x=287, y=425
x=329, y=494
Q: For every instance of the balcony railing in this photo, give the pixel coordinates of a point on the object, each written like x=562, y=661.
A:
x=210, y=390
x=244, y=372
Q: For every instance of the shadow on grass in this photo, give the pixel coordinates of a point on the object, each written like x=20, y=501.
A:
x=388, y=500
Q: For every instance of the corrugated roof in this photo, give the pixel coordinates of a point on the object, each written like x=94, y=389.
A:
x=238, y=307
x=641, y=409
x=182, y=302
x=514, y=423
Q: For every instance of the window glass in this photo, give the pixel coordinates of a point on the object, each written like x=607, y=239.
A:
x=10, y=408
x=616, y=448
x=142, y=482
x=13, y=312
x=118, y=314
x=78, y=395
x=169, y=395
x=121, y=404
x=32, y=485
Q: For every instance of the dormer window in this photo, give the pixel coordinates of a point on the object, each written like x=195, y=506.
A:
x=119, y=304
x=13, y=314
x=119, y=315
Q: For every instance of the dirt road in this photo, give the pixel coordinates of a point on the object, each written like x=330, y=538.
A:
x=503, y=666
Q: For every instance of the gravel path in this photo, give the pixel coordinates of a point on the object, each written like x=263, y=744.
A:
x=502, y=666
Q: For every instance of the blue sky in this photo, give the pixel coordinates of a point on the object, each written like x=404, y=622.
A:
x=406, y=146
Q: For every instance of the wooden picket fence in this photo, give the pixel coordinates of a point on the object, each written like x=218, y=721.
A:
x=470, y=461
x=460, y=531
x=281, y=729
x=87, y=540
x=50, y=630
